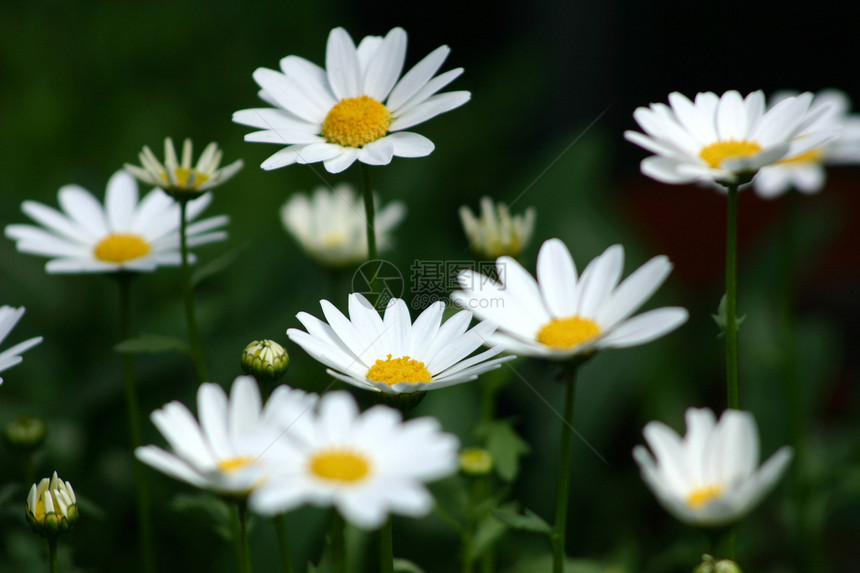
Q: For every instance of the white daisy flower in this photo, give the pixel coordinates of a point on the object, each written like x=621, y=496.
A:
x=236, y=445
x=496, y=232
x=561, y=315
x=365, y=465
x=9, y=317
x=357, y=108
x=806, y=172
x=330, y=225
x=724, y=139
x=710, y=477
x=181, y=178
x=392, y=354
x=121, y=235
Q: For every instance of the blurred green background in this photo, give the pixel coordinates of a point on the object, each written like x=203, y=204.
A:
x=84, y=85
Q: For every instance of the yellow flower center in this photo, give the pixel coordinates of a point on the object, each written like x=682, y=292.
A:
x=811, y=156
x=333, y=240
x=700, y=497
x=340, y=465
x=233, y=465
x=356, y=121
x=187, y=178
x=565, y=333
x=715, y=153
x=121, y=247
x=393, y=370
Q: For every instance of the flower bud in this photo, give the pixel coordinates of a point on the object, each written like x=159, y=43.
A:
x=711, y=565
x=52, y=507
x=475, y=461
x=495, y=232
x=24, y=434
x=266, y=360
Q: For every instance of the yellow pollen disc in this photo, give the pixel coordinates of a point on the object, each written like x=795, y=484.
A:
x=121, y=247
x=332, y=240
x=565, y=333
x=716, y=153
x=340, y=465
x=356, y=121
x=393, y=370
x=187, y=178
x=231, y=465
x=811, y=156
x=702, y=496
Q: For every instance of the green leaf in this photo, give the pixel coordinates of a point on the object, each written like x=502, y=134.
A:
x=406, y=566
x=216, y=265
x=527, y=521
x=217, y=512
x=151, y=344
x=488, y=532
x=720, y=317
x=505, y=446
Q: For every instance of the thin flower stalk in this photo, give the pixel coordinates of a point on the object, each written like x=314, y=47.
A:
x=195, y=346
x=732, y=382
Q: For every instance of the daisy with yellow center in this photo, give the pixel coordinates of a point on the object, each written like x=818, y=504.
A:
x=236, y=444
x=806, y=172
x=329, y=224
x=124, y=234
x=366, y=465
x=496, y=232
x=711, y=476
x=356, y=109
x=724, y=139
x=561, y=315
x=181, y=178
x=392, y=354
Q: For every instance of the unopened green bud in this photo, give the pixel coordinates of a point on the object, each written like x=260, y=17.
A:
x=52, y=507
x=476, y=461
x=266, y=360
x=711, y=565
x=24, y=434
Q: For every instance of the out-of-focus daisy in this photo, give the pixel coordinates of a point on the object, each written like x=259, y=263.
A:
x=180, y=178
x=392, y=354
x=357, y=108
x=710, y=477
x=9, y=317
x=124, y=234
x=724, y=139
x=495, y=232
x=560, y=315
x=330, y=224
x=236, y=445
x=365, y=465
x=806, y=172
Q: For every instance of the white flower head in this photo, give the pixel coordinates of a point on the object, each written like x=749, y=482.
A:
x=724, y=139
x=237, y=443
x=806, y=172
x=711, y=476
x=52, y=507
x=392, y=354
x=366, y=465
x=561, y=315
x=495, y=232
x=330, y=225
x=357, y=108
x=9, y=317
x=181, y=177
x=124, y=234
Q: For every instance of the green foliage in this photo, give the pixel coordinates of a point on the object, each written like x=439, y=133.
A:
x=152, y=344
x=504, y=445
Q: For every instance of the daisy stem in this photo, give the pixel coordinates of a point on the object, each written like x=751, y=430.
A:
x=386, y=548
x=338, y=542
x=144, y=514
x=243, y=552
x=283, y=544
x=733, y=396
x=53, y=566
x=196, y=349
x=559, y=533
x=369, y=214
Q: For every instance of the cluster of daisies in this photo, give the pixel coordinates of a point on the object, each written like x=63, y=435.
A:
x=299, y=448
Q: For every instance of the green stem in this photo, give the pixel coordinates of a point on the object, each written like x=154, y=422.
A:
x=733, y=395
x=559, y=533
x=144, y=513
x=283, y=544
x=196, y=349
x=386, y=548
x=338, y=542
x=243, y=552
x=53, y=566
x=367, y=194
